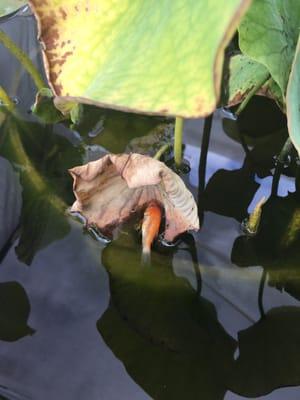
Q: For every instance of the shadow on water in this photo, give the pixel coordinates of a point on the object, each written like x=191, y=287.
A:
x=269, y=351
x=14, y=312
x=167, y=336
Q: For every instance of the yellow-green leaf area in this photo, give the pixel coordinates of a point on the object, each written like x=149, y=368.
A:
x=161, y=57
x=9, y=6
x=293, y=100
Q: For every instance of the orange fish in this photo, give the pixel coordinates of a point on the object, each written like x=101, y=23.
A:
x=150, y=228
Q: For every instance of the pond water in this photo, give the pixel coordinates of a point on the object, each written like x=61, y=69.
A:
x=216, y=317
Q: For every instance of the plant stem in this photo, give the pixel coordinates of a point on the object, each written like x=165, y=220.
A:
x=161, y=151
x=261, y=294
x=251, y=94
x=203, y=155
x=202, y=164
x=6, y=100
x=287, y=148
x=23, y=58
x=178, y=141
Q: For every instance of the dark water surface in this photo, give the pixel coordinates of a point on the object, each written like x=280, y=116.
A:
x=216, y=317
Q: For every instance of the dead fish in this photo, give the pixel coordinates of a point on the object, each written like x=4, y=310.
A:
x=150, y=228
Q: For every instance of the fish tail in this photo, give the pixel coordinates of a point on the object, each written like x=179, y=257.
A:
x=146, y=256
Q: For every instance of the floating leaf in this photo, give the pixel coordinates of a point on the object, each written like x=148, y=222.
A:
x=293, y=101
x=269, y=33
x=155, y=57
x=108, y=191
x=9, y=6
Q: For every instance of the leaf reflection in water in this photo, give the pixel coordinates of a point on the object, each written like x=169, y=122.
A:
x=168, y=337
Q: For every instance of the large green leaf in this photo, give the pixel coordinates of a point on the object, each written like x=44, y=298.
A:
x=293, y=101
x=162, y=57
x=269, y=34
x=9, y=6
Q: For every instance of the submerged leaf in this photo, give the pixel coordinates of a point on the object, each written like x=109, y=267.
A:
x=155, y=57
x=44, y=108
x=41, y=158
x=151, y=143
x=108, y=191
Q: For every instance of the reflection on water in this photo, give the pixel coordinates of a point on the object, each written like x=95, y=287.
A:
x=215, y=317
x=14, y=312
x=167, y=336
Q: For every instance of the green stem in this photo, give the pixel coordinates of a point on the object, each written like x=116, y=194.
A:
x=6, y=100
x=178, y=141
x=37, y=181
x=252, y=92
x=161, y=151
x=23, y=58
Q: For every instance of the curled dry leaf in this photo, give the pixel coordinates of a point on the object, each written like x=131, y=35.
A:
x=109, y=190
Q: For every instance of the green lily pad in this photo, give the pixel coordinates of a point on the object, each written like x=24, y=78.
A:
x=244, y=75
x=269, y=34
x=9, y=6
x=293, y=101
x=154, y=57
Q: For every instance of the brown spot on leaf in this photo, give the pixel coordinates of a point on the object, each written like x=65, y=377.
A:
x=63, y=13
x=53, y=76
x=58, y=88
x=68, y=53
x=238, y=97
x=51, y=38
